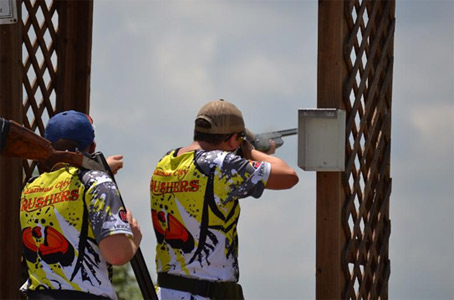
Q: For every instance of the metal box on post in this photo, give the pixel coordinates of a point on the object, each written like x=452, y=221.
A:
x=321, y=139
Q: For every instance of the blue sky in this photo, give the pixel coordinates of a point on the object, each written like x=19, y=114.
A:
x=155, y=63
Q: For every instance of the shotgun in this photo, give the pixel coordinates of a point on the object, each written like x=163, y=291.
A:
x=137, y=262
x=18, y=141
x=261, y=141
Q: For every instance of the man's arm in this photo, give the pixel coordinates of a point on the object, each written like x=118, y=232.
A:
x=119, y=249
x=119, y=241
x=282, y=176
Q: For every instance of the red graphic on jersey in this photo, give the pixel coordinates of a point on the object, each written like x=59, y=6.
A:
x=30, y=248
x=255, y=164
x=122, y=214
x=175, y=234
x=54, y=249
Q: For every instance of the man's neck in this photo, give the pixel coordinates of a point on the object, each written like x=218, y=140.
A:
x=201, y=145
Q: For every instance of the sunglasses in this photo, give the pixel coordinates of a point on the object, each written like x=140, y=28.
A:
x=240, y=135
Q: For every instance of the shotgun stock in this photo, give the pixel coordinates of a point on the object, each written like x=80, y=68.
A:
x=18, y=141
x=138, y=263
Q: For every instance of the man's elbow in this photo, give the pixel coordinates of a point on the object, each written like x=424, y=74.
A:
x=117, y=249
x=292, y=180
x=120, y=259
x=282, y=181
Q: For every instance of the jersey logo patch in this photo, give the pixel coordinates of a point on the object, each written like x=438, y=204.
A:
x=255, y=164
x=122, y=214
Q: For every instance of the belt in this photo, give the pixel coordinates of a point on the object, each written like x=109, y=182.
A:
x=204, y=288
x=61, y=294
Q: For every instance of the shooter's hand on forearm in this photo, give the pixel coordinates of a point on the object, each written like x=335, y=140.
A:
x=272, y=148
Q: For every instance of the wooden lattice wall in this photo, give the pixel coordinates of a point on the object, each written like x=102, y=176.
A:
x=355, y=68
x=56, y=53
x=355, y=64
x=45, y=68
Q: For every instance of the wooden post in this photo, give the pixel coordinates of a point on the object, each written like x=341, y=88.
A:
x=74, y=55
x=331, y=73
x=10, y=168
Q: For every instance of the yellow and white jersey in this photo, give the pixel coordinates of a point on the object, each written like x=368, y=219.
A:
x=64, y=214
x=195, y=210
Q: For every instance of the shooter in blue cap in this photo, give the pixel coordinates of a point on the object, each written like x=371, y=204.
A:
x=74, y=225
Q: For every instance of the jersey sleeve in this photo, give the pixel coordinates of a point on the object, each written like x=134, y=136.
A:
x=105, y=210
x=243, y=177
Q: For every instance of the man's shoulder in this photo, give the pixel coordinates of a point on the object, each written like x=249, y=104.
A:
x=212, y=156
x=89, y=177
x=209, y=159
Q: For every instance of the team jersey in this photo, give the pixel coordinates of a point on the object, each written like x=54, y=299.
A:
x=195, y=211
x=64, y=215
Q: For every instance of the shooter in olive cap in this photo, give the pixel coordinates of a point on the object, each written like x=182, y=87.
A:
x=74, y=225
x=195, y=192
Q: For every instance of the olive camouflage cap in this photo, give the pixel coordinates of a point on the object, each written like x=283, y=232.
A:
x=223, y=117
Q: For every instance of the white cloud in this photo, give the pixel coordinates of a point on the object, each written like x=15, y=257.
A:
x=433, y=119
x=434, y=126
x=259, y=74
x=181, y=63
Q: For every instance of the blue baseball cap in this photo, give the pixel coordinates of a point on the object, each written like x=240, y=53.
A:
x=71, y=125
